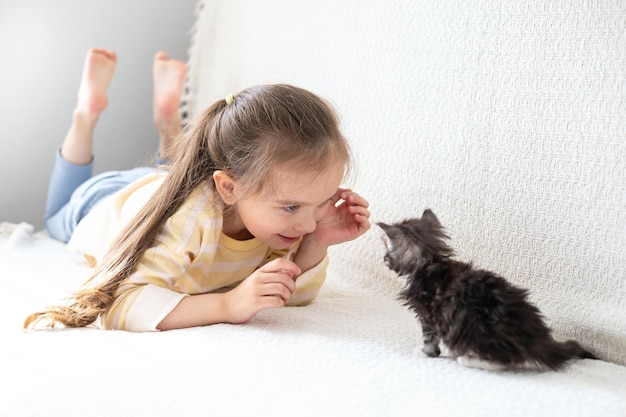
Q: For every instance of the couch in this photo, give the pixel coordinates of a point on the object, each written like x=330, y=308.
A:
x=505, y=118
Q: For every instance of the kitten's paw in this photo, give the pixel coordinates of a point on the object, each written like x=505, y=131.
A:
x=422, y=352
x=473, y=362
x=432, y=351
x=445, y=352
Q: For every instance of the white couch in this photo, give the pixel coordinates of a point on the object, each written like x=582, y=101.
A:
x=505, y=118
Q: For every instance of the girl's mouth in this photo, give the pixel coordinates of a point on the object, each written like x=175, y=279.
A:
x=289, y=239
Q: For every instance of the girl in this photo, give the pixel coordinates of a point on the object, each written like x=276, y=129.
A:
x=239, y=222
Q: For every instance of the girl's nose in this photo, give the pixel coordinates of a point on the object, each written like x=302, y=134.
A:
x=306, y=225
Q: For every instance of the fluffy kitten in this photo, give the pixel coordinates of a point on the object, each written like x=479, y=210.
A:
x=482, y=320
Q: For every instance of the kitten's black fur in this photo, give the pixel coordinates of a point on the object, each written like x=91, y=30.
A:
x=482, y=319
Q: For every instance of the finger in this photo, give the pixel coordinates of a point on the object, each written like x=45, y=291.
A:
x=354, y=199
x=341, y=194
x=277, y=278
x=277, y=290
x=362, y=224
x=283, y=266
x=287, y=281
x=363, y=221
x=360, y=210
x=271, y=302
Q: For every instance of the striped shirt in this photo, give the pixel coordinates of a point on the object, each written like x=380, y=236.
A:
x=191, y=256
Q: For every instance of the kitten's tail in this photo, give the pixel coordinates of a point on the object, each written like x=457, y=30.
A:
x=556, y=354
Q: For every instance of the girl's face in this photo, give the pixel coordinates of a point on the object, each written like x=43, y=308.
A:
x=299, y=200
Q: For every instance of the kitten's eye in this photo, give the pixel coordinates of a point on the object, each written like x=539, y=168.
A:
x=291, y=209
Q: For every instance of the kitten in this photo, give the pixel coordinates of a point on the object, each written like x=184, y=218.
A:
x=482, y=320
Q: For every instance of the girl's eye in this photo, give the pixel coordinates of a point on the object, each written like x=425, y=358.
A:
x=291, y=209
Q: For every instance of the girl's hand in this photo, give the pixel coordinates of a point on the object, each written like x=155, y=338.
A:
x=270, y=286
x=346, y=219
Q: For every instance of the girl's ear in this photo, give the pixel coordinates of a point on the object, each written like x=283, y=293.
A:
x=225, y=186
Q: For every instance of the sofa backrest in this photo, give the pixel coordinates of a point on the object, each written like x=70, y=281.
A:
x=507, y=119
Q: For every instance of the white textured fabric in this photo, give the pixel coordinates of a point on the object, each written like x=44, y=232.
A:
x=350, y=353
x=507, y=119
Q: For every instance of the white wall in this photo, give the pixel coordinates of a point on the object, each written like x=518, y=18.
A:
x=43, y=45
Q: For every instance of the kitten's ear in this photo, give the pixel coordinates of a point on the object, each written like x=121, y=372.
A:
x=383, y=226
x=386, y=228
x=429, y=215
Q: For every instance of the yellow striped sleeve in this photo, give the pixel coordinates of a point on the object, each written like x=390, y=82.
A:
x=309, y=284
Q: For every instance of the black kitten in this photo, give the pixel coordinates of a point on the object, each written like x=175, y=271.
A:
x=483, y=320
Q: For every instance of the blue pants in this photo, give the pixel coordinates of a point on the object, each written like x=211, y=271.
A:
x=73, y=191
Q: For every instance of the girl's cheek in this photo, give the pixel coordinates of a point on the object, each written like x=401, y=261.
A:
x=320, y=213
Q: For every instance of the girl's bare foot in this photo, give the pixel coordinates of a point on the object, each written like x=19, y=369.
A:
x=92, y=100
x=169, y=82
x=97, y=74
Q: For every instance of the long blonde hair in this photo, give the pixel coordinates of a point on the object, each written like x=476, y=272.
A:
x=262, y=128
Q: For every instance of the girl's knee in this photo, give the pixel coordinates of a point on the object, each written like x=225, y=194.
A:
x=57, y=230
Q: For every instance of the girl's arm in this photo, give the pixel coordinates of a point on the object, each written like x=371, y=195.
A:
x=270, y=286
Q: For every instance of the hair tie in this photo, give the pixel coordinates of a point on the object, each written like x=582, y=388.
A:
x=229, y=98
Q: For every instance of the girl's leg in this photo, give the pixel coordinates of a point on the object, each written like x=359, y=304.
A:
x=169, y=82
x=92, y=100
x=74, y=162
x=73, y=191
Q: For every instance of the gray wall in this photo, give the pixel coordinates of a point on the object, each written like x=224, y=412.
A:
x=43, y=45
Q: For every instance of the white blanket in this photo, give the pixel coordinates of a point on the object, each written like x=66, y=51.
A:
x=505, y=118
x=348, y=354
